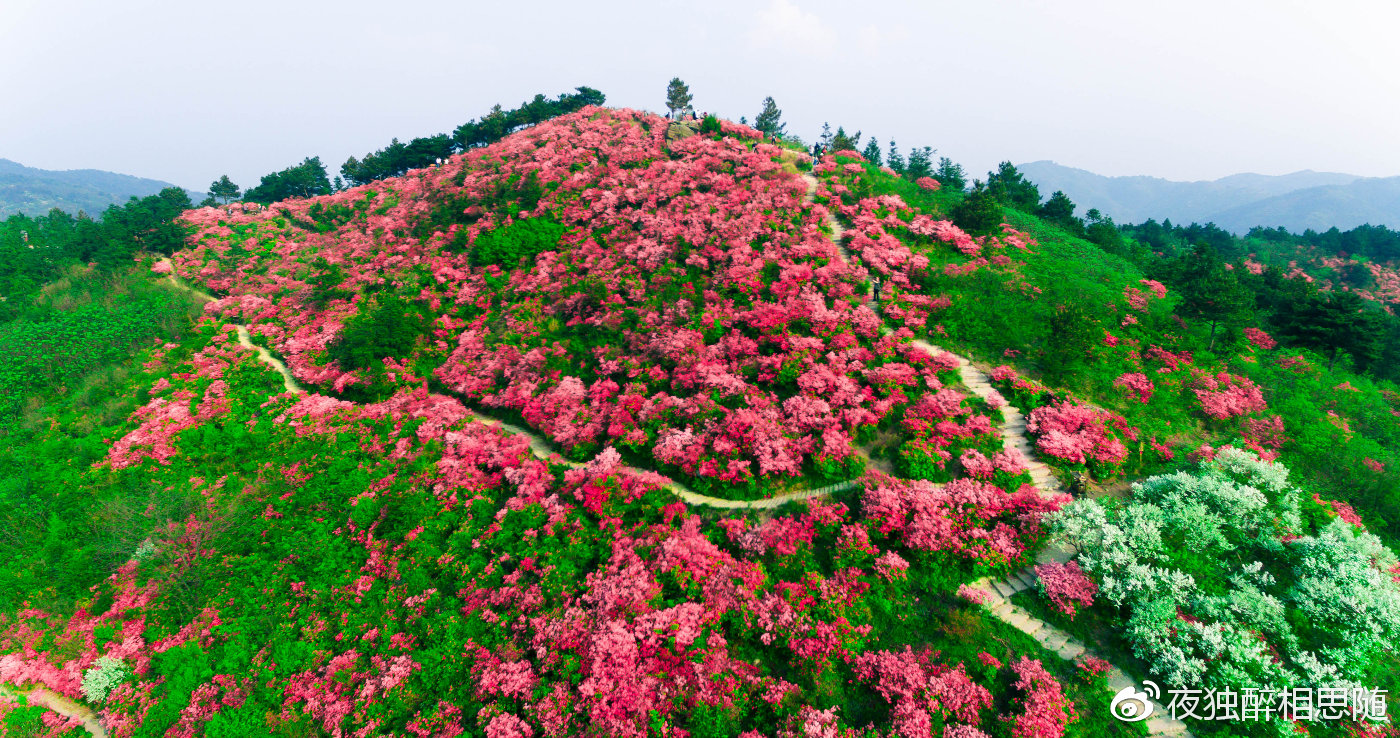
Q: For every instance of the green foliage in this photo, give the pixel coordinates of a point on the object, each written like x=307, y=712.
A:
x=522, y=239
x=920, y=163
x=769, y=119
x=1209, y=292
x=306, y=179
x=710, y=125
x=678, y=95
x=978, y=213
x=388, y=331
x=224, y=189
x=872, y=152
x=844, y=142
x=1012, y=189
x=950, y=175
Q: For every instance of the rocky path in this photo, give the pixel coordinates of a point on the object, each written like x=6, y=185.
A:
x=999, y=592
x=55, y=702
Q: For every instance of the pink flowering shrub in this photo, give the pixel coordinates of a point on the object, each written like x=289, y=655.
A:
x=1136, y=384
x=725, y=337
x=965, y=519
x=1259, y=338
x=1067, y=586
x=1223, y=396
x=928, y=183
x=1078, y=434
x=1047, y=710
x=921, y=691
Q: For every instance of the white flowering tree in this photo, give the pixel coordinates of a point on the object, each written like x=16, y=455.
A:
x=103, y=677
x=1306, y=608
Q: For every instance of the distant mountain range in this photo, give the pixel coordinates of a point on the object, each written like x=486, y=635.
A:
x=35, y=191
x=1297, y=201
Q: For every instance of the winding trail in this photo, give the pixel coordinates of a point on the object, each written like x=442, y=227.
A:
x=539, y=447
x=1000, y=591
x=55, y=702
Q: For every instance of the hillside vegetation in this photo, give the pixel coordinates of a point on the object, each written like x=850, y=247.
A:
x=223, y=556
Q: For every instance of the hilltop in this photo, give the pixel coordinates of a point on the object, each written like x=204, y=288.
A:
x=35, y=192
x=589, y=431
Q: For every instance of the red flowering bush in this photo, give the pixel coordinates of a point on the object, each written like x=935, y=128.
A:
x=1259, y=338
x=1047, y=709
x=1136, y=383
x=967, y=519
x=1067, y=586
x=1077, y=434
x=928, y=183
x=1224, y=396
x=685, y=304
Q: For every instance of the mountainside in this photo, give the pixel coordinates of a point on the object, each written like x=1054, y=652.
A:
x=1373, y=201
x=1296, y=201
x=614, y=429
x=36, y=191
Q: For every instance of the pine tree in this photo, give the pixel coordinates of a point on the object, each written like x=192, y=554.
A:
x=825, y=139
x=678, y=95
x=895, y=160
x=950, y=175
x=872, y=152
x=1010, y=187
x=1209, y=292
x=843, y=142
x=920, y=163
x=769, y=119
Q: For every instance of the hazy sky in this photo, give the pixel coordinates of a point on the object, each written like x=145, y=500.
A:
x=185, y=91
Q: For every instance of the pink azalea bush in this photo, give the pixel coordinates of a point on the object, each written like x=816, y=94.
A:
x=1224, y=396
x=1137, y=384
x=1077, y=434
x=1067, y=586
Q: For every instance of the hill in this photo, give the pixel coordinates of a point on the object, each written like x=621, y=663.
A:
x=1370, y=201
x=36, y=191
x=1297, y=201
x=600, y=431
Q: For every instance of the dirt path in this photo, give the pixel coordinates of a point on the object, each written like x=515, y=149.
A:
x=50, y=700
x=245, y=340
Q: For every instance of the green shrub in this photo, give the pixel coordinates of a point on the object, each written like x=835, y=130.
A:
x=710, y=124
x=523, y=238
x=388, y=331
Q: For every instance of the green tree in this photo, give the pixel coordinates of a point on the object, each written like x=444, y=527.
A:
x=950, y=175
x=224, y=189
x=826, y=137
x=1209, y=292
x=1059, y=209
x=843, y=142
x=894, y=159
x=1100, y=229
x=307, y=179
x=1011, y=188
x=1332, y=322
x=872, y=152
x=1073, y=335
x=920, y=163
x=978, y=213
x=769, y=119
x=678, y=95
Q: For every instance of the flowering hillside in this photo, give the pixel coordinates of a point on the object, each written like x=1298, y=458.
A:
x=368, y=558
x=678, y=328
x=681, y=305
